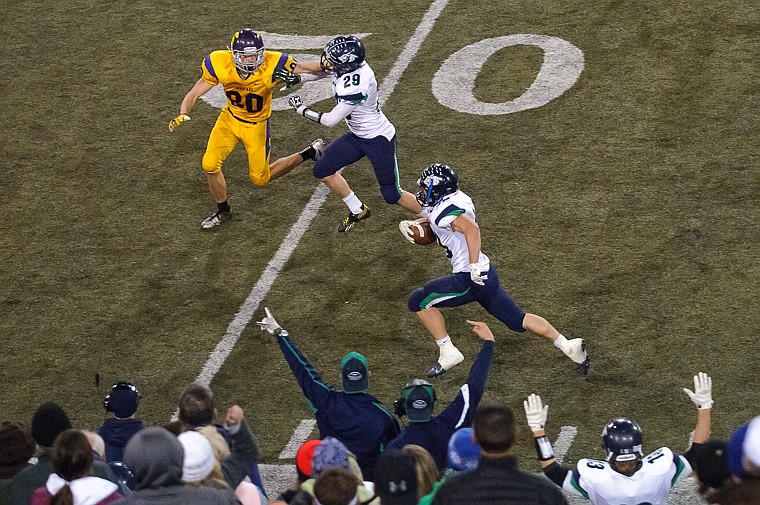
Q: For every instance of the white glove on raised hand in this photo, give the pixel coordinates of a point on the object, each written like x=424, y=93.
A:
x=535, y=412
x=269, y=323
x=702, y=394
x=475, y=276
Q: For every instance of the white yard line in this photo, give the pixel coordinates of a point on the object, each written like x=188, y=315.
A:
x=563, y=442
x=261, y=289
x=300, y=435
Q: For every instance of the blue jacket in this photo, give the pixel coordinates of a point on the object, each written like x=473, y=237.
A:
x=116, y=433
x=434, y=435
x=356, y=419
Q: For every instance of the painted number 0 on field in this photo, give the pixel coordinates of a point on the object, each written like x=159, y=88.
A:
x=454, y=82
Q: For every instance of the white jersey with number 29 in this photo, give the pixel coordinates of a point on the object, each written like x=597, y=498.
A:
x=598, y=482
x=359, y=88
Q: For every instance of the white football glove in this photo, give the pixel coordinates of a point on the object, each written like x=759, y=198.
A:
x=295, y=101
x=478, y=279
x=535, y=412
x=702, y=394
x=269, y=323
x=405, y=227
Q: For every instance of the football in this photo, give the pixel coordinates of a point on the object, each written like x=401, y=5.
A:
x=421, y=233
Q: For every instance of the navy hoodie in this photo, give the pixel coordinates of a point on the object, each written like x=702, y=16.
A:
x=116, y=433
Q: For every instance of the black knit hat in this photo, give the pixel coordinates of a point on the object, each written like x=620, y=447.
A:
x=16, y=447
x=48, y=422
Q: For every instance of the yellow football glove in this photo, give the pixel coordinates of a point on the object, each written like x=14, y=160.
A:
x=178, y=121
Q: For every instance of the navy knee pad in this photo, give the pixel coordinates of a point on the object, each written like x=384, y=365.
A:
x=415, y=299
x=322, y=170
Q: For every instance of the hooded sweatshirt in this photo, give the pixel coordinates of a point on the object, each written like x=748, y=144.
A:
x=86, y=491
x=155, y=457
x=116, y=433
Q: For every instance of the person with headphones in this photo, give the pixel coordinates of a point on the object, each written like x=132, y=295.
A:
x=121, y=402
x=418, y=399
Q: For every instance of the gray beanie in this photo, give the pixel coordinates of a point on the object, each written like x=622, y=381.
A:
x=155, y=457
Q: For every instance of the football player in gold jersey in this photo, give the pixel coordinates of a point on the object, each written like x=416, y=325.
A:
x=249, y=74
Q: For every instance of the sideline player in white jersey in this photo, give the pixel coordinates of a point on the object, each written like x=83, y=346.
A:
x=626, y=477
x=451, y=214
x=370, y=133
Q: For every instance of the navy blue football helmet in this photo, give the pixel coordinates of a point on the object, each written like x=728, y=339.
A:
x=622, y=440
x=343, y=54
x=435, y=182
x=247, y=42
x=125, y=479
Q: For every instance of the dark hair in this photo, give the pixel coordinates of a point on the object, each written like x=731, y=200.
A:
x=71, y=459
x=494, y=427
x=336, y=486
x=196, y=405
x=16, y=447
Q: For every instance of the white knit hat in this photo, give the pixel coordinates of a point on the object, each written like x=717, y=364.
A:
x=199, y=456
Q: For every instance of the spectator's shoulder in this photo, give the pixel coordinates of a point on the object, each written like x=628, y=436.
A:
x=211, y=496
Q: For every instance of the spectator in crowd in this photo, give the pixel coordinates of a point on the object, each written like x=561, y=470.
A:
x=196, y=410
x=351, y=415
x=497, y=479
x=199, y=467
x=744, y=451
x=70, y=482
x=156, y=458
x=97, y=443
x=626, y=473
x=304, y=461
x=247, y=492
x=332, y=453
x=47, y=423
x=418, y=398
x=709, y=462
x=743, y=455
x=746, y=492
x=396, y=478
x=121, y=404
x=16, y=449
x=463, y=456
x=337, y=486
x=424, y=465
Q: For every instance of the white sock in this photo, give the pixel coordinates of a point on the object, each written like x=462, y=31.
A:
x=445, y=340
x=353, y=202
x=560, y=341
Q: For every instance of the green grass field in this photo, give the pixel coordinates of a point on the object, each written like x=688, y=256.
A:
x=625, y=211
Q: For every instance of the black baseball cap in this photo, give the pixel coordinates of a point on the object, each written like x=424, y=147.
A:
x=355, y=373
x=396, y=478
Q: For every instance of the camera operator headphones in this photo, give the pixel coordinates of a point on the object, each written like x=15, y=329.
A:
x=399, y=406
x=120, y=386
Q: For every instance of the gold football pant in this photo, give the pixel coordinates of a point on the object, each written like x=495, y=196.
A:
x=225, y=135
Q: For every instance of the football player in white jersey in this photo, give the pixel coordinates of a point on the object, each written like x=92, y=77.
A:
x=451, y=214
x=370, y=133
x=626, y=477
